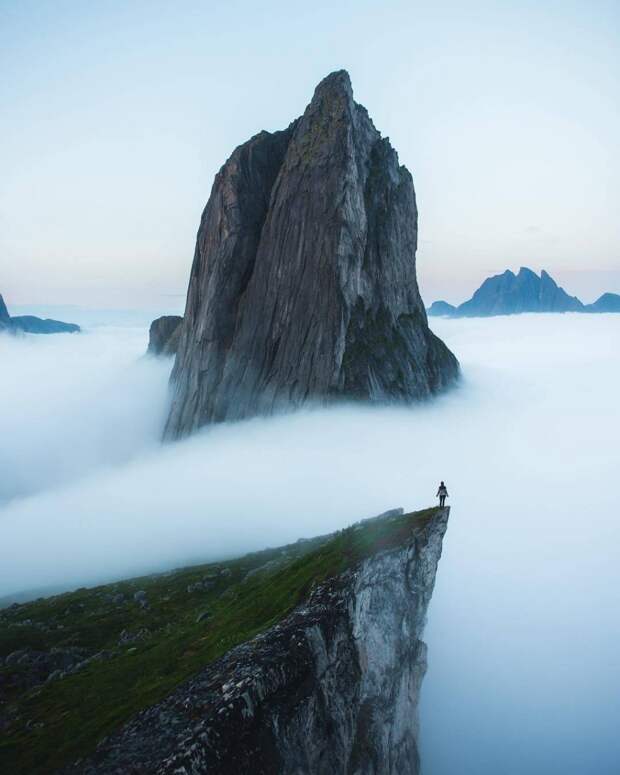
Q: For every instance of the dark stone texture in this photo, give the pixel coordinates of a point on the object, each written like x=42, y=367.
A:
x=164, y=335
x=28, y=667
x=303, y=286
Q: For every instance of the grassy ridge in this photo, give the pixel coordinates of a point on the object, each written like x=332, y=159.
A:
x=62, y=720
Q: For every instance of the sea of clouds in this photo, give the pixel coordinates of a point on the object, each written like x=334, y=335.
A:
x=523, y=628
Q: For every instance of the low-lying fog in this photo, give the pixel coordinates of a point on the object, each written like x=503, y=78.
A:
x=523, y=630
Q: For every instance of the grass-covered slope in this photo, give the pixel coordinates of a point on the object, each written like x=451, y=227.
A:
x=118, y=648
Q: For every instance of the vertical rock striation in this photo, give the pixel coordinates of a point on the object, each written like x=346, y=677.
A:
x=332, y=689
x=303, y=286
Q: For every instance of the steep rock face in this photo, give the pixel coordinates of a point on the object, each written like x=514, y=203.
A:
x=164, y=335
x=331, y=689
x=303, y=285
x=551, y=298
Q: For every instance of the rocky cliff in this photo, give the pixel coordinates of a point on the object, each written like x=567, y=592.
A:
x=164, y=335
x=332, y=688
x=300, y=658
x=303, y=286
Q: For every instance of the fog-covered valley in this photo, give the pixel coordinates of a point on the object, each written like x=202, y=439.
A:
x=523, y=624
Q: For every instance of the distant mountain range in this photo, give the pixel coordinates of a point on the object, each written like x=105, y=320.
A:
x=511, y=294
x=30, y=324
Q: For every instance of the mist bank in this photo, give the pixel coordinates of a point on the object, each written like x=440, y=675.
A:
x=523, y=671
x=75, y=404
x=106, y=500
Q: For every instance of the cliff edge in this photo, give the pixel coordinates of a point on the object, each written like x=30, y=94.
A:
x=332, y=688
x=302, y=658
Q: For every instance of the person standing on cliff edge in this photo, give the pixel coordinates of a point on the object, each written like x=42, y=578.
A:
x=442, y=494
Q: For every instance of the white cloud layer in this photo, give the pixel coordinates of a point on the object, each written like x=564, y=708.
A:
x=74, y=404
x=523, y=632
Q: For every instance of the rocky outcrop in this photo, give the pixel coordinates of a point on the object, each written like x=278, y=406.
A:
x=34, y=667
x=608, y=302
x=33, y=325
x=164, y=335
x=303, y=286
x=333, y=688
x=509, y=294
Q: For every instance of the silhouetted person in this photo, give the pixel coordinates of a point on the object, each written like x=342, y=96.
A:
x=442, y=494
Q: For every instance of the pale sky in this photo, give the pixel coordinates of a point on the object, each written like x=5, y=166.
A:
x=117, y=115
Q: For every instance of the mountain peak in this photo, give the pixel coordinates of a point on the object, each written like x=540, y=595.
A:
x=507, y=294
x=331, y=102
x=334, y=84
x=304, y=268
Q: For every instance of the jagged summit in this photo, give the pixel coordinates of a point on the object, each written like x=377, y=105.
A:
x=509, y=293
x=336, y=84
x=303, y=286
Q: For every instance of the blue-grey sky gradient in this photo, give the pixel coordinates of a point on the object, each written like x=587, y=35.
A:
x=116, y=116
